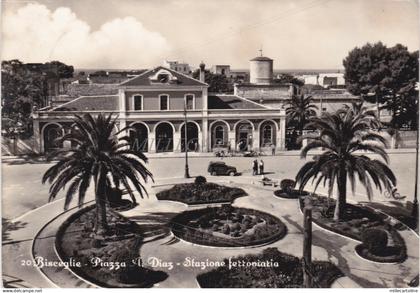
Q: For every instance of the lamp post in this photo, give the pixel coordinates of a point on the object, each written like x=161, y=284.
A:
x=415, y=210
x=187, y=173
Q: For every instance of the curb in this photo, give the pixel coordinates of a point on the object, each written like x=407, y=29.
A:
x=332, y=232
x=39, y=232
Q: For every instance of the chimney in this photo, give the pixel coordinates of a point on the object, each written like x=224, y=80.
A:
x=202, y=72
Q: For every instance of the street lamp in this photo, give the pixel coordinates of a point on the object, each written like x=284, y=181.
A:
x=415, y=210
x=187, y=173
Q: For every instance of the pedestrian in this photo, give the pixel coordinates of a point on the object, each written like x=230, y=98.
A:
x=273, y=149
x=261, y=167
x=255, y=168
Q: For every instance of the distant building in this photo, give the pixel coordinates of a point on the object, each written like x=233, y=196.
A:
x=183, y=68
x=261, y=87
x=221, y=69
x=326, y=80
x=332, y=100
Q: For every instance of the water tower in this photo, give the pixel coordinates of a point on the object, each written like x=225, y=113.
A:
x=261, y=70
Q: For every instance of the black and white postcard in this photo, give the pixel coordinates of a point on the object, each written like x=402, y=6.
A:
x=210, y=144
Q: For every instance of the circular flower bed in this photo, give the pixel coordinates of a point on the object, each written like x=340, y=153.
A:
x=356, y=221
x=227, y=226
x=109, y=261
x=269, y=269
x=199, y=193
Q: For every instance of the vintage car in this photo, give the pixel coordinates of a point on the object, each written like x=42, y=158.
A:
x=220, y=168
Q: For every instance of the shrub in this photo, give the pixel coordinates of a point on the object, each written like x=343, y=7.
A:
x=114, y=195
x=287, y=185
x=200, y=180
x=235, y=234
x=96, y=243
x=226, y=229
x=227, y=208
x=236, y=226
x=375, y=240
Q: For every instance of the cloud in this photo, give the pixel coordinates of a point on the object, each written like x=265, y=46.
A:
x=36, y=34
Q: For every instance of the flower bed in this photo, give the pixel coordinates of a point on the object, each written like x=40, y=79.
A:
x=285, y=271
x=227, y=226
x=356, y=220
x=292, y=194
x=193, y=193
x=110, y=261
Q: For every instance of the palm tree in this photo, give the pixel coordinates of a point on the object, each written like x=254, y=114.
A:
x=97, y=155
x=299, y=109
x=342, y=134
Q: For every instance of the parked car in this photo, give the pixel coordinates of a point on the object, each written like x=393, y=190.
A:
x=220, y=168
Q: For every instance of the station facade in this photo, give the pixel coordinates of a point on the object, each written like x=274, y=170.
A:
x=158, y=102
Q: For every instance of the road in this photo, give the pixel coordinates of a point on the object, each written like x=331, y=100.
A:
x=22, y=189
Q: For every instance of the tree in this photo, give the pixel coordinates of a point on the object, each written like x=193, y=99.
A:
x=100, y=156
x=342, y=134
x=299, y=109
x=63, y=70
x=218, y=83
x=288, y=78
x=21, y=91
x=386, y=76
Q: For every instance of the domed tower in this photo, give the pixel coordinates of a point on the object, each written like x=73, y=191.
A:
x=261, y=70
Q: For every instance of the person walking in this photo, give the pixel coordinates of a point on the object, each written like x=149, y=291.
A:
x=273, y=149
x=261, y=167
x=255, y=168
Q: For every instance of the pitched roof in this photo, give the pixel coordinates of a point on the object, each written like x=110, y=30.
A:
x=231, y=102
x=144, y=79
x=93, y=89
x=91, y=103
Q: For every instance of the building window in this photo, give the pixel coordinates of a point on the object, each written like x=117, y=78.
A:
x=164, y=102
x=138, y=102
x=163, y=78
x=267, y=135
x=189, y=102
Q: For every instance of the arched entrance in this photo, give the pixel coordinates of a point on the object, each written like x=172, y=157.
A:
x=192, y=137
x=219, y=135
x=244, y=136
x=267, y=134
x=164, y=137
x=139, y=136
x=51, y=133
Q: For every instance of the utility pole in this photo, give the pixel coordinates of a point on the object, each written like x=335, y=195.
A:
x=187, y=172
x=307, y=247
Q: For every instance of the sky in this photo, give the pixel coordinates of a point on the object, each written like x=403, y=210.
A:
x=133, y=34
